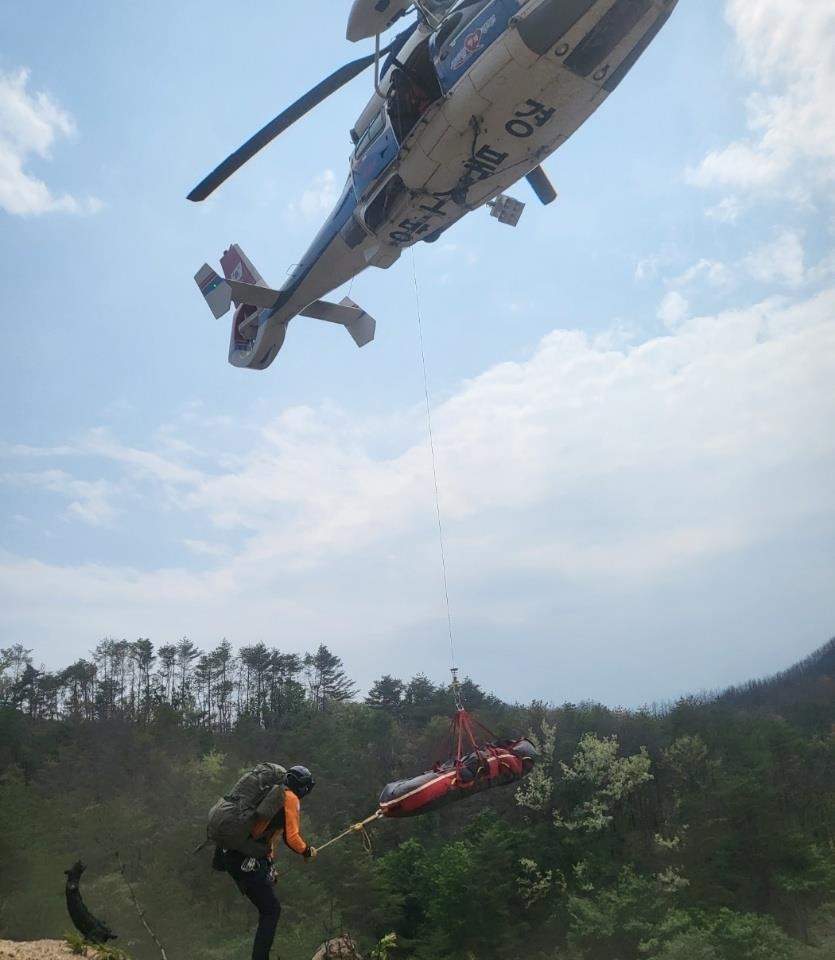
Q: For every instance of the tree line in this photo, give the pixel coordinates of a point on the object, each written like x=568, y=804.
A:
x=703, y=831
x=214, y=690
x=139, y=682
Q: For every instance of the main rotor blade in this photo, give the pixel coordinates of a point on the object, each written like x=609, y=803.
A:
x=277, y=126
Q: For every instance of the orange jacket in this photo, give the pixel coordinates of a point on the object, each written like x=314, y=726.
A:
x=290, y=827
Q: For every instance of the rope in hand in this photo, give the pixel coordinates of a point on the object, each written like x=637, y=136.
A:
x=356, y=828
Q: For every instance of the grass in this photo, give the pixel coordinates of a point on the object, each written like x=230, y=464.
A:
x=96, y=951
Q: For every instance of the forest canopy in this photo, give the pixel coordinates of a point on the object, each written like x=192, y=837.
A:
x=702, y=830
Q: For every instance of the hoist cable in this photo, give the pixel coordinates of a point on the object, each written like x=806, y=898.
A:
x=434, y=464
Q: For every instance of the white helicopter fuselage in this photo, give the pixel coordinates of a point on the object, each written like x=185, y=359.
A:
x=513, y=80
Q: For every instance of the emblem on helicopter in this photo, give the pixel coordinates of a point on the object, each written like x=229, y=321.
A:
x=468, y=99
x=473, y=42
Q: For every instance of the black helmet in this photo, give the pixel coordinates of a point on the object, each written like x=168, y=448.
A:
x=300, y=781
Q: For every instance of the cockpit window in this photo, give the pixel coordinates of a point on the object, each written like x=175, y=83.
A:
x=375, y=128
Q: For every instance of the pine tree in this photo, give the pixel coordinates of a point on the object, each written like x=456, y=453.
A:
x=326, y=678
x=386, y=693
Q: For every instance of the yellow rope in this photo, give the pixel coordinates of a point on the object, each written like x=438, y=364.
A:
x=356, y=828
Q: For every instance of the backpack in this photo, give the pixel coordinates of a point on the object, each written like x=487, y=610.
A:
x=259, y=793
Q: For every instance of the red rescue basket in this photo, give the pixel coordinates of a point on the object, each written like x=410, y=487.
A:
x=474, y=766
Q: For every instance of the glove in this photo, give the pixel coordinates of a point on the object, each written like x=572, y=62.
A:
x=310, y=853
x=219, y=860
x=272, y=875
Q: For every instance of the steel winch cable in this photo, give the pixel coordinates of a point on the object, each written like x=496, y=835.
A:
x=453, y=666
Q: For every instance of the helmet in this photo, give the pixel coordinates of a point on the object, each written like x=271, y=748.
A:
x=300, y=781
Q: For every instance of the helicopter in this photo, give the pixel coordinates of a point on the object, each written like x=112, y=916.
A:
x=468, y=99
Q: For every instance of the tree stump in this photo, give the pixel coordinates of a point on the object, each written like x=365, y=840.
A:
x=340, y=948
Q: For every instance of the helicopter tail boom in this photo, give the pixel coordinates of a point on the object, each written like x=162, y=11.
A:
x=220, y=293
x=262, y=314
x=241, y=284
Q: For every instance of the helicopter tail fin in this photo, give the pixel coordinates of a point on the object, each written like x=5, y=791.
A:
x=216, y=291
x=241, y=284
x=236, y=265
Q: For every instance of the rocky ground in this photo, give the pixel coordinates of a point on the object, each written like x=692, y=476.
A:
x=34, y=950
x=340, y=949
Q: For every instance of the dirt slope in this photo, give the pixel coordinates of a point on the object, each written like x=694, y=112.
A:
x=340, y=949
x=34, y=950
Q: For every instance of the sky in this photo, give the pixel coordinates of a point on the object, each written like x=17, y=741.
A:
x=632, y=393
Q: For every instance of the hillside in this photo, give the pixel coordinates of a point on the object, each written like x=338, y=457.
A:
x=701, y=831
x=804, y=690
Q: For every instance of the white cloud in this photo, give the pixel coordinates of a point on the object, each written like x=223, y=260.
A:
x=30, y=123
x=165, y=466
x=781, y=262
x=650, y=266
x=726, y=211
x=714, y=273
x=596, y=475
x=319, y=198
x=789, y=52
x=679, y=443
x=673, y=310
x=778, y=262
x=737, y=165
x=619, y=335
x=87, y=500
x=822, y=271
x=201, y=548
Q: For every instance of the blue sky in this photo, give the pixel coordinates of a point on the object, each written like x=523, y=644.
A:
x=632, y=392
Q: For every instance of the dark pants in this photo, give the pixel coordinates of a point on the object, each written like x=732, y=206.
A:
x=257, y=887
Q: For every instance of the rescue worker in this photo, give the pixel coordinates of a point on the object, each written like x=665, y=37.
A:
x=407, y=103
x=255, y=876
